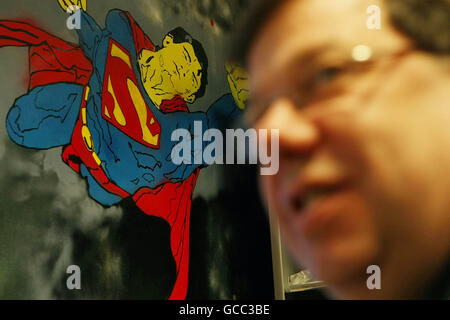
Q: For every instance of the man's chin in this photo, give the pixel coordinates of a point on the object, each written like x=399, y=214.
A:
x=340, y=261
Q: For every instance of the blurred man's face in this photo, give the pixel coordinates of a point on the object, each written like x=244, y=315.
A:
x=364, y=146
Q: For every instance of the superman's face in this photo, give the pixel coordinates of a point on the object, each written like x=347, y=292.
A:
x=185, y=71
x=172, y=70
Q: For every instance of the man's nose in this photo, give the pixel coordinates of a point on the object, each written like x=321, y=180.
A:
x=297, y=133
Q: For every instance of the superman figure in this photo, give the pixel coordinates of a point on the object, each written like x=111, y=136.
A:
x=112, y=103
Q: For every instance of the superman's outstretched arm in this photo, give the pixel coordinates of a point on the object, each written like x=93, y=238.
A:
x=192, y=127
x=89, y=35
x=89, y=32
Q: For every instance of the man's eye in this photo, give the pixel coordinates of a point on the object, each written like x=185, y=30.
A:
x=326, y=75
x=326, y=85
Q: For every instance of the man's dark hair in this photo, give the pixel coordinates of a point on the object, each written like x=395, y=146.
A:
x=179, y=35
x=425, y=22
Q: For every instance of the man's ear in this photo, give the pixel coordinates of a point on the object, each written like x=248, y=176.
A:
x=168, y=39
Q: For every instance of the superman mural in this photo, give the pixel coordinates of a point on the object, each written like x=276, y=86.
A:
x=111, y=102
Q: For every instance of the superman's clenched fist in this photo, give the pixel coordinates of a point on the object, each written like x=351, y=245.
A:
x=69, y=3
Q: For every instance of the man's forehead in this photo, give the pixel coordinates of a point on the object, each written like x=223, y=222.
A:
x=301, y=26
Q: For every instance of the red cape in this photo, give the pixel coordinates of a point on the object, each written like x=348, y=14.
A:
x=53, y=60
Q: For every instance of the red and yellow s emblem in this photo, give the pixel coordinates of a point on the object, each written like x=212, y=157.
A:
x=123, y=104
